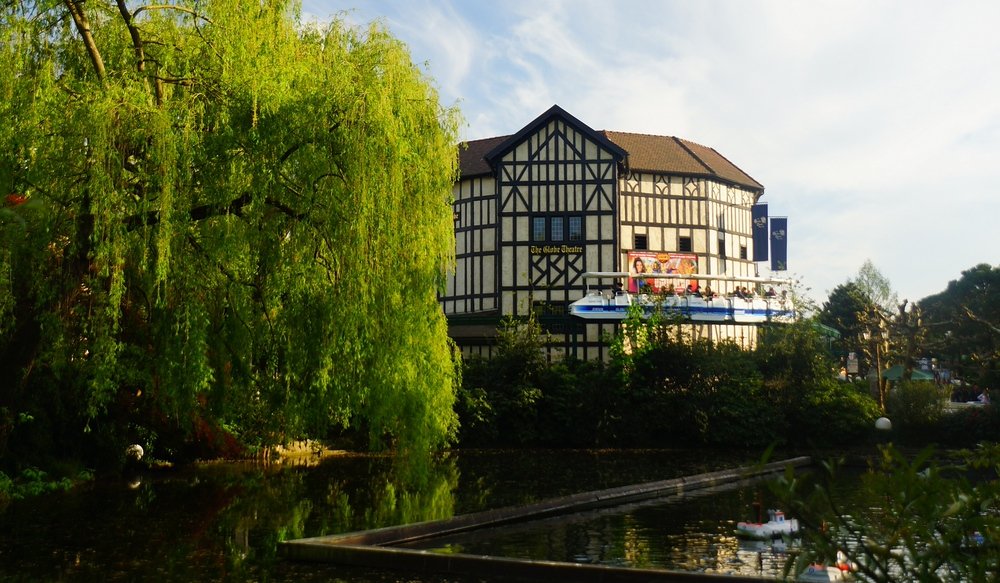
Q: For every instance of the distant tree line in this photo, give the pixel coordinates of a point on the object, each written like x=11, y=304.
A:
x=958, y=329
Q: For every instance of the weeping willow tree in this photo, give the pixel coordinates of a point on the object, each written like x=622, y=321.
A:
x=218, y=220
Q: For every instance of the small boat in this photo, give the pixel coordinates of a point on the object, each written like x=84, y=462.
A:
x=840, y=571
x=820, y=572
x=778, y=546
x=776, y=526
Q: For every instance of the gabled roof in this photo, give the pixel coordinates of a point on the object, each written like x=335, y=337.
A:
x=476, y=157
x=554, y=112
x=642, y=152
x=670, y=155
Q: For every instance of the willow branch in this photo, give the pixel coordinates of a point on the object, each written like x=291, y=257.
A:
x=182, y=81
x=206, y=211
x=140, y=53
x=220, y=266
x=198, y=213
x=75, y=8
x=171, y=7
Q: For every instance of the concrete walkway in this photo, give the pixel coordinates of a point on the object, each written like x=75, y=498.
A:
x=374, y=548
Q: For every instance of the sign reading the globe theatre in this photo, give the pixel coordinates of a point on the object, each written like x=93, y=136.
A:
x=556, y=249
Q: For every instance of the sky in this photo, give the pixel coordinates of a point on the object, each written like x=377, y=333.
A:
x=873, y=125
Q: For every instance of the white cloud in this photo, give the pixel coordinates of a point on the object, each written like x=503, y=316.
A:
x=874, y=125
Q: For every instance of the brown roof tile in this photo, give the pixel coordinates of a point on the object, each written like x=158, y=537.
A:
x=646, y=153
x=471, y=161
x=674, y=155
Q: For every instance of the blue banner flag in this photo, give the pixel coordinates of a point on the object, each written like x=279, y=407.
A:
x=758, y=215
x=779, y=244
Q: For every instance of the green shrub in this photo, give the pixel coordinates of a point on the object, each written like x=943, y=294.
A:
x=573, y=403
x=33, y=481
x=665, y=390
x=967, y=427
x=476, y=417
x=841, y=413
x=915, y=408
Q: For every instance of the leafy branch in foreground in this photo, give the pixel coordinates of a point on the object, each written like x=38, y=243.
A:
x=923, y=518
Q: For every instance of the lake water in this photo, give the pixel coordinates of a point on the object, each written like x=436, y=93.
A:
x=223, y=522
x=694, y=533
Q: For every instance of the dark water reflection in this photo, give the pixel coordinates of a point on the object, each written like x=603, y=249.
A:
x=223, y=522
x=694, y=533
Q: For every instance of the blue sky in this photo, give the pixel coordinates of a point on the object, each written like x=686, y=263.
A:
x=874, y=126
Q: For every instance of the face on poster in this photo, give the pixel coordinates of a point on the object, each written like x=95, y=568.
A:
x=641, y=264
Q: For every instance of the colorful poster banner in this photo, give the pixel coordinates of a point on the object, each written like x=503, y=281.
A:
x=758, y=217
x=642, y=263
x=779, y=244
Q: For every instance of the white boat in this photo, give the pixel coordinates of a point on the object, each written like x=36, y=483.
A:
x=840, y=571
x=775, y=545
x=614, y=303
x=777, y=525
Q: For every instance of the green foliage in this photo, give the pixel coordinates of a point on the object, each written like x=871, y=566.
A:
x=875, y=287
x=842, y=311
x=962, y=321
x=691, y=393
x=966, y=427
x=926, y=526
x=518, y=398
x=838, y=413
x=498, y=397
x=792, y=356
x=915, y=407
x=576, y=405
x=662, y=389
x=33, y=482
x=872, y=323
x=816, y=409
x=234, y=225
x=476, y=417
x=501, y=403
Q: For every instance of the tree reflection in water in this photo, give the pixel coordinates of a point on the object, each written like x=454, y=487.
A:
x=220, y=522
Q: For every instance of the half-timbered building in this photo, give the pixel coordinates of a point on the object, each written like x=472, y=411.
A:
x=536, y=210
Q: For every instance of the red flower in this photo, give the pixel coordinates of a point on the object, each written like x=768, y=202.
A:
x=14, y=199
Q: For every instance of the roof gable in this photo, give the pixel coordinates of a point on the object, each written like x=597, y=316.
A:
x=553, y=112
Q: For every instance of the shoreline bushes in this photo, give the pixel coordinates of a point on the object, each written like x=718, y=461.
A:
x=669, y=391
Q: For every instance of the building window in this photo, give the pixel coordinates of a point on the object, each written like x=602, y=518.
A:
x=684, y=245
x=641, y=242
x=722, y=248
x=557, y=229
x=538, y=229
x=576, y=228
x=743, y=251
